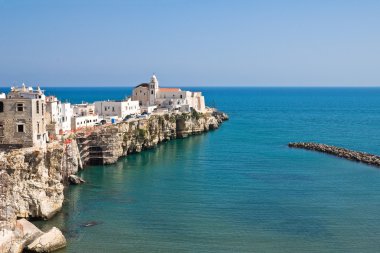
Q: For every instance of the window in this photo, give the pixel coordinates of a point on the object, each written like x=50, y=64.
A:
x=151, y=92
x=38, y=127
x=1, y=130
x=42, y=108
x=20, y=107
x=181, y=96
x=113, y=108
x=1, y=107
x=20, y=128
x=105, y=108
x=38, y=106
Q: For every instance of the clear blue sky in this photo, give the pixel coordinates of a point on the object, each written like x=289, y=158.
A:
x=190, y=42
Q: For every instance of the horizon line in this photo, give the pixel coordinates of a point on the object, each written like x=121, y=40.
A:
x=213, y=86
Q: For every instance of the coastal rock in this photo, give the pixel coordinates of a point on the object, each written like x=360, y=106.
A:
x=48, y=242
x=73, y=179
x=32, y=182
x=7, y=240
x=27, y=231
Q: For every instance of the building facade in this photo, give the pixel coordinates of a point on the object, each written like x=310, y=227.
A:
x=78, y=122
x=119, y=109
x=58, y=116
x=22, y=118
x=83, y=109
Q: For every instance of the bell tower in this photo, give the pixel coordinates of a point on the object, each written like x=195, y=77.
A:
x=153, y=90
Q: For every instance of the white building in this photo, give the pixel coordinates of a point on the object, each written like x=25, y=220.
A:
x=2, y=95
x=150, y=94
x=59, y=116
x=78, y=122
x=119, y=109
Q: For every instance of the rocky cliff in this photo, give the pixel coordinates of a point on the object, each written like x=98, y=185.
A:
x=107, y=144
x=32, y=180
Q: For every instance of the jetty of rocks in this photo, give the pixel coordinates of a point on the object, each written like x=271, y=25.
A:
x=363, y=157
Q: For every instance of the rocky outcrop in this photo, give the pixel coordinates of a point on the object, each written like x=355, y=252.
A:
x=27, y=236
x=107, y=144
x=73, y=179
x=48, y=242
x=340, y=152
x=32, y=181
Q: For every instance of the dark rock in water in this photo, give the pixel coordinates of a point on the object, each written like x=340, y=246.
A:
x=90, y=224
x=73, y=179
x=366, y=158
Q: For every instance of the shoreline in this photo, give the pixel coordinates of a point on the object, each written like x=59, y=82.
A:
x=45, y=174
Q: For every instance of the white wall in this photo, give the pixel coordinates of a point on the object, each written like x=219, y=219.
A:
x=84, y=121
x=117, y=108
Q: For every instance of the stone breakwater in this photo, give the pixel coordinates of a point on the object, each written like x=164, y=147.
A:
x=366, y=158
x=32, y=180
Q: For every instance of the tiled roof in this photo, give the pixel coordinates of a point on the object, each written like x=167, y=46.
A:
x=169, y=89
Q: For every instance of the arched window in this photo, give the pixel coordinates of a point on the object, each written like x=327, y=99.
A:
x=1, y=107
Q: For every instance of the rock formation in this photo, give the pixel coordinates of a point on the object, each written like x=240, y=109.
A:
x=32, y=180
x=31, y=185
x=340, y=152
x=107, y=144
x=48, y=242
x=27, y=236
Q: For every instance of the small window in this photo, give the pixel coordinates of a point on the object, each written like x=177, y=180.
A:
x=38, y=127
x=1, y=107
x=38, y=106
x=113, y=108
x=20, y=128
x=151, y=92
x=20, y=107
x=1, y=130
x=181, y=96
x=42, y=108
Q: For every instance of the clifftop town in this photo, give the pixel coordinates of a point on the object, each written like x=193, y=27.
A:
x=43, y=142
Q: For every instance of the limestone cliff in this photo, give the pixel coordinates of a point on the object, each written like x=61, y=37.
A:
x=32, y=181
x=109, y=143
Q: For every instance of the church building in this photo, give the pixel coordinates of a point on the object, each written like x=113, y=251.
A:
x=150, y=94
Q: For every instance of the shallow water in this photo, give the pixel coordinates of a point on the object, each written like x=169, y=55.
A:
x=239, y=188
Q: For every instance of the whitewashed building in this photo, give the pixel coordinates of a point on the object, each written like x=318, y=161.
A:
x=78, y=122
x=119, y=109
x=150, y=94
x=58, y=116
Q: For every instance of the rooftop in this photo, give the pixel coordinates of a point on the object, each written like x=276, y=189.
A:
x=169, y=89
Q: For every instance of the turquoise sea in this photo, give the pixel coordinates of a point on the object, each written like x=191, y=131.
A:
x=239, y=188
